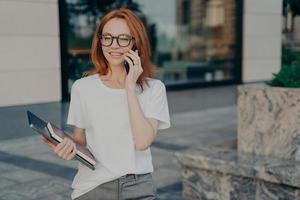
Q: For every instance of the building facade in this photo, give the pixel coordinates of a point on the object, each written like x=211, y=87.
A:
x=194, y=42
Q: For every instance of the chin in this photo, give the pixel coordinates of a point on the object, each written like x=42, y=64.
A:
x=116, y=62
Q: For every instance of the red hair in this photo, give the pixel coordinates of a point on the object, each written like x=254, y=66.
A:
x=141, y=42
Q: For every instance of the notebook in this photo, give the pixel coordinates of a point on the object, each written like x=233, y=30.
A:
x=55, y=135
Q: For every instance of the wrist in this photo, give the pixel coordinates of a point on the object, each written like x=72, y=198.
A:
x=130, y=87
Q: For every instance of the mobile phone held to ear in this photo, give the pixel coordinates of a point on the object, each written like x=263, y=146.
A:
x=126, y=65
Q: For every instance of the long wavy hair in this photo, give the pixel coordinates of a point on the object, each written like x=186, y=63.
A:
x=141, y=42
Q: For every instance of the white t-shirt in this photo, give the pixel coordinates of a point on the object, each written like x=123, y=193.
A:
x=103, y=113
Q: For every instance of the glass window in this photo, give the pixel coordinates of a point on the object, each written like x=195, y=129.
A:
x=193, y=41
x=291, y=32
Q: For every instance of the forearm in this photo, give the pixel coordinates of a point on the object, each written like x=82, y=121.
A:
x=142, y=130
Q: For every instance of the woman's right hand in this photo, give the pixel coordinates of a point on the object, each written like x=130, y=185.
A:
x=65, y=150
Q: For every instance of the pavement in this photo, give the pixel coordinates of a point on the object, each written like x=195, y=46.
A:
x=30, y=170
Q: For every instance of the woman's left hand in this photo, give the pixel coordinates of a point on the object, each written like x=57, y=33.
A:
x=135, y=69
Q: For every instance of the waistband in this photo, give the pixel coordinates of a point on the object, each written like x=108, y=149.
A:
x=133, y=176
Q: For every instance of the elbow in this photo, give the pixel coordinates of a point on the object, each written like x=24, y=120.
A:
x=141, y=146
x=145, y=142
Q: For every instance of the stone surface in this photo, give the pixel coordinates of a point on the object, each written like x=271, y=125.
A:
x=266, y=165
x=269, y=121
x=225, y=175
x=205, y=184
x=272, y=191
x=270, y=169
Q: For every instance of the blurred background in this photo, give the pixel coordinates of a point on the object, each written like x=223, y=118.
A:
x=204, y=49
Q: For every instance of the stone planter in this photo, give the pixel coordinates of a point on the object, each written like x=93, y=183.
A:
x=269, y=121
x=215, y=174
x=266, y=164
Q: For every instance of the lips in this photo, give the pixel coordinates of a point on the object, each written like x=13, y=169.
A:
x=115, y=54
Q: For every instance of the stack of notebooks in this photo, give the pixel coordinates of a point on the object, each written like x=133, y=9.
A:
x=56, y=135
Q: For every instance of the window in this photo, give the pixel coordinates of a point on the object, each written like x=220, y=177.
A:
x=193, y=41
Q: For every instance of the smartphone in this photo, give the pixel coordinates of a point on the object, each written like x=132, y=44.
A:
x=126, y=65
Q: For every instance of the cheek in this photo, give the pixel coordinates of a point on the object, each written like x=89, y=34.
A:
x=105, y=53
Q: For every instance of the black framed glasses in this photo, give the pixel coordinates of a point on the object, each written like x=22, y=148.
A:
x=123, y=40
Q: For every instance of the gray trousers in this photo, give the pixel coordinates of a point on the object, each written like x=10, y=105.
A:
x=128, y=187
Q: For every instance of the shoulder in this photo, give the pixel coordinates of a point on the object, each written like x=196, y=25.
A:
x=84, y=82
x=155, y=83
x=155, y=86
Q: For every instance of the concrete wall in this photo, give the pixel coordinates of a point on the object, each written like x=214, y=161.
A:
x=29, y=52
x=261, y=39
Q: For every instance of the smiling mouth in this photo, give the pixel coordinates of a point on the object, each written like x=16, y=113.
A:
x=114, y=54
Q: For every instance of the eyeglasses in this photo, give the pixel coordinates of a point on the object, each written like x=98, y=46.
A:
x=123, y=40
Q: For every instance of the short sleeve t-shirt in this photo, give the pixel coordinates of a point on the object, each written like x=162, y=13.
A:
x=103, y=113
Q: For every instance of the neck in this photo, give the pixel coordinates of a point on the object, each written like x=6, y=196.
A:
x=117, y=73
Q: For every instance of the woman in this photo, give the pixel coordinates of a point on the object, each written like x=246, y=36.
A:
x=117, y=114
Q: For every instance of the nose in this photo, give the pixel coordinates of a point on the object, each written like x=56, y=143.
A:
x=114, y=43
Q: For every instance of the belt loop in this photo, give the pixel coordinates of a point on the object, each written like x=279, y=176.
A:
x=135, y=177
